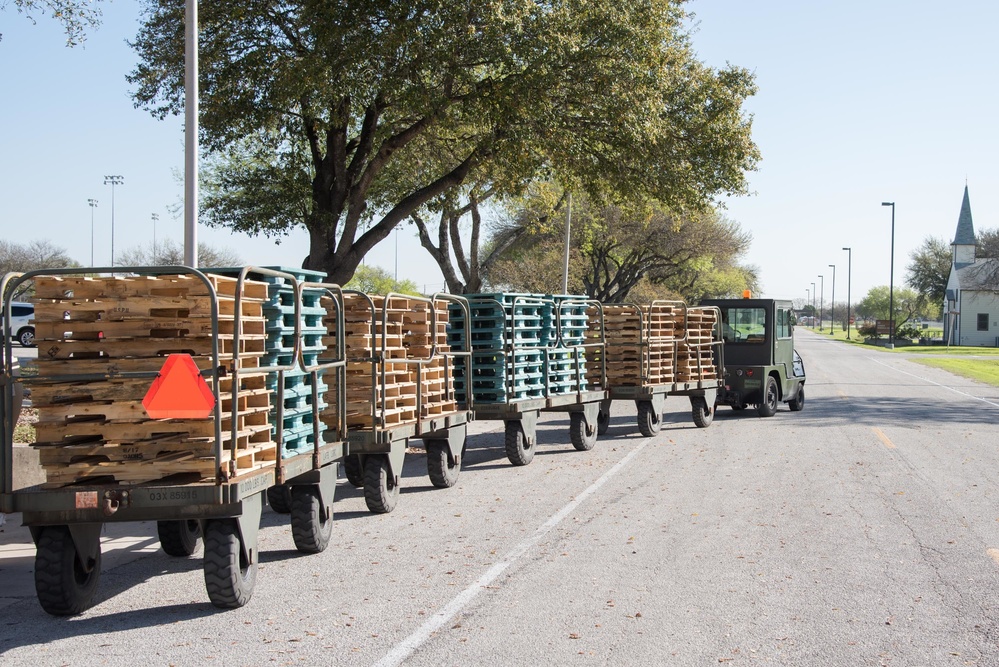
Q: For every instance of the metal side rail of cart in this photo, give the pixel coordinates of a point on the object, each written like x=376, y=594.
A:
x=520, y=415
x=65, y=522
x=375, y=451
x=650, y=397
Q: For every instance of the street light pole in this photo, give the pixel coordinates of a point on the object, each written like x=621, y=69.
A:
x=93, y=205
x=822, y=297
x=808, y=297
x=849, y=274
x=891, y=280
x=155, y=216
x=113, y=180
x=832, y=325
x=813, y=305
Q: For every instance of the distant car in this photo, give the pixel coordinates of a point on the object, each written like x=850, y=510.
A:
x=21, y=328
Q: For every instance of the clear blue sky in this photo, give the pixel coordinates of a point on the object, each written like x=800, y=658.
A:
x=859, y=103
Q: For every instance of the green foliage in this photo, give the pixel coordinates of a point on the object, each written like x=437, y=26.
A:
x=929, y=270
x=171, y=253
x=987, y=243
x=18, y=258
x=74, y=15
x=349, y=117
x=376, y=280
x=908, y=304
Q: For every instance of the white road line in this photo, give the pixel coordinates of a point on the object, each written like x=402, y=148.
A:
x=919, y=377
x=406, y=647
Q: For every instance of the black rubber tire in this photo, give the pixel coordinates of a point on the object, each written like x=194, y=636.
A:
x=279, y=498
x=353, y=470
x=441, y=466
x=381, y=493
x=229, y=579
x=603, y=422
x=63, y=584
x=179, y=538
x=310, y=531
x=518, y=450
x=583, y=438
x=768, y=407
x=26, y=337
x=797, y=403
x=703, y=415
x=649, y=421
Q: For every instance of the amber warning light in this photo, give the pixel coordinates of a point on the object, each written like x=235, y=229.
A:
x=179, y=392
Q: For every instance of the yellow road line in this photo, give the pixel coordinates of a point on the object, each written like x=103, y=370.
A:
x=883, y=438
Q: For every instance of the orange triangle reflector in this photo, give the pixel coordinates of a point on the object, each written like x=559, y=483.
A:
x=179, y=392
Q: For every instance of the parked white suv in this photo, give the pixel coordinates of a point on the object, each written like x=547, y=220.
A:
x=21, y=328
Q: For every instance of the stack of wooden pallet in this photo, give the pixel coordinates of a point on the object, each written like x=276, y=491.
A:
x=640, y=342
x=385, y=340
x=94, y=429
x=694, y=357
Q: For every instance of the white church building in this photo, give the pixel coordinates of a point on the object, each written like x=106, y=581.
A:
x=971, y=304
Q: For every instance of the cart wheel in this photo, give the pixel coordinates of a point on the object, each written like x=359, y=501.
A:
x=64, y=584
x=179, y=538
x=441, y=466
x=353, y=469
x=279, y=498
x=381, y=493
x=603, y=422
x=229, y=579
x=768, y=408
x=517, y=450
x=649, y=421
x=309, y=529
x=583, y=437
x=798, y=402
x=703, y=415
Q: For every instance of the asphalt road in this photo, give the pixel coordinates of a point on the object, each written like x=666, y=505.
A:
x=861, y=531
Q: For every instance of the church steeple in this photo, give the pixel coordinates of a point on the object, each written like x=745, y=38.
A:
x=963, y=246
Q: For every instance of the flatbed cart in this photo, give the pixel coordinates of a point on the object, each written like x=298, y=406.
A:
x=565, y=394
x=66, y=521
x=650, y=397
x=375, y=450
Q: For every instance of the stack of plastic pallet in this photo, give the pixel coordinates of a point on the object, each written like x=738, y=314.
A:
x=567, y=362
x=296, y=431
x=639, y=343
x=694, y=356
x=92, y=426
x=380, y=386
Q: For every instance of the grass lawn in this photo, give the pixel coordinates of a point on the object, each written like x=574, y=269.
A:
x=983, y=370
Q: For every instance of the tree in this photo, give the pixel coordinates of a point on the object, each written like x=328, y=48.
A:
x=169, y=253
x=349, y=117
x=908, y=305
x=376, y=280
x=615, y=247
x=74, y=15
x=987, y=243
x=929, y=270
x=18, y=258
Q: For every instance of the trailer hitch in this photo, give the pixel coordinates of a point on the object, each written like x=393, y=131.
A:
x=114, y=500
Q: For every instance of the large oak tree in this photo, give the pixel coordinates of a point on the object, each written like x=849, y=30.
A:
x=347, y=117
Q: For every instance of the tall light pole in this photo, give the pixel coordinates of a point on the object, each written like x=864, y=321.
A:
x=891, y=280
x=822, y=296
x=808, y=296
x=113, y=180
x=813, y=304
x=396, y=258
x=832, y=325
x=849, y=274
x=191, y=132
x=155, y=217
x=93, y=205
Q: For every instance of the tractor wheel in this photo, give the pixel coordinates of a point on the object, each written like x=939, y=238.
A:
x=768, y=408
x=441, y=466
x=703, y=415
x=229, y=578
x=353, y=469
x=310, y=530
x=798, y=402
x=381, y=493
x=65, y=585
x=518, y=450
x=583, y=436
x=603, y=422
x=179, y=538
x=279, y=498
x=649, y=421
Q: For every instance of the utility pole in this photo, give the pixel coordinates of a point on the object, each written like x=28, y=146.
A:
x=93, y=205
x=113, y=180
